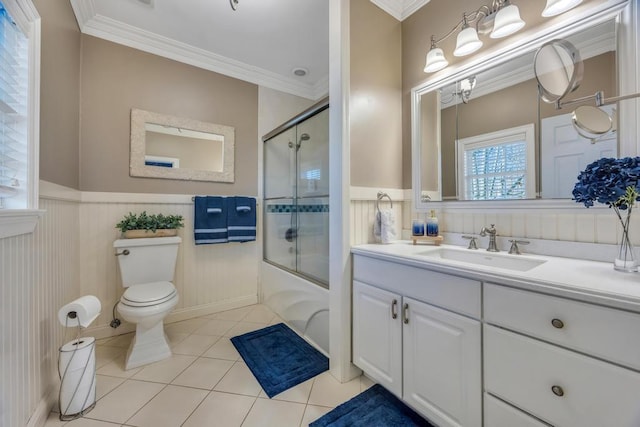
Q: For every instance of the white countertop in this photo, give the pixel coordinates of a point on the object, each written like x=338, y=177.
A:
x=589, y=281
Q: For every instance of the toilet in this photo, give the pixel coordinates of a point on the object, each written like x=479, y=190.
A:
x=147, y=267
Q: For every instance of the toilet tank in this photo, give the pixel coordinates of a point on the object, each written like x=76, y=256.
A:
x=149, y=260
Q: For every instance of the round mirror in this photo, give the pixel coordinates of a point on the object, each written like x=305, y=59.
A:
x=591, y=122
x=558, y=69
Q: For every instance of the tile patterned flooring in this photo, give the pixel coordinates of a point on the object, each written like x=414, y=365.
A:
x=205, y=383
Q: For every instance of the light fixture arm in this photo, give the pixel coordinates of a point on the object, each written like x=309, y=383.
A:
x=234, y=4
x=467, y=17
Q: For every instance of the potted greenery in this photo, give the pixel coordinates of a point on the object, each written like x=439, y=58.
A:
x=135, y=226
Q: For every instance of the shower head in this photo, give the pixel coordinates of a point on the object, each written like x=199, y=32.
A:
x=305, y=137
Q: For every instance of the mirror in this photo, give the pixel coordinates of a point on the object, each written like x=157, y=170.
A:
x=558, y=69
x=591, y=122
x=171, y=147
x=485, y=134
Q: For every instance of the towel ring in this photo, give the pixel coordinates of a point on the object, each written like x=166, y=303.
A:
x=381, y=196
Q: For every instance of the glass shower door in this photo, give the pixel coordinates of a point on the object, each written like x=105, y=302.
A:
x=280, y=219
x=313, y=197
x=296, y=206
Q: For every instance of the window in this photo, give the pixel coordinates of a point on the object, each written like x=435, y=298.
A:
x=498, y=165
x=19, y=115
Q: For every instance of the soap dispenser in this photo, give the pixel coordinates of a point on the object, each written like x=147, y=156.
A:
x=432, y=224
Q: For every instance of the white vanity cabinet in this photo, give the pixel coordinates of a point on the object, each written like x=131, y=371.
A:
x=559, y=359
x=417, y=333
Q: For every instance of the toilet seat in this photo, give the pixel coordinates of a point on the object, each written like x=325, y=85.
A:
x=148, y=294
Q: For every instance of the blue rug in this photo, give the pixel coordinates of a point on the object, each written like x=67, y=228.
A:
x=279, y=358
x=375, y=407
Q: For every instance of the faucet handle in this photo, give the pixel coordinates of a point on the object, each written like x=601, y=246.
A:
x=514, y=246
x=473, y=242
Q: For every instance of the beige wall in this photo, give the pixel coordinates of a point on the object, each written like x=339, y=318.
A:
x=375, y=102
x=59, y=93
x=438, y=17
x=116, y=78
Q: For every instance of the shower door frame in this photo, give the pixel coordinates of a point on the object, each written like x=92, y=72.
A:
x=300, y=118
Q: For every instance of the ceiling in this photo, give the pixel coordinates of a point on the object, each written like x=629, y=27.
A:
x=262, y=41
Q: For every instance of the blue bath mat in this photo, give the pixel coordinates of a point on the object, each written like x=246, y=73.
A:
x=279, y=358
x=375, y=407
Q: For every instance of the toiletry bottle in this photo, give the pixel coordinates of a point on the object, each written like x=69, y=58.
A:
x=432, y=224
x=418, y=227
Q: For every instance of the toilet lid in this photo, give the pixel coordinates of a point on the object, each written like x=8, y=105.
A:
x=147, y=294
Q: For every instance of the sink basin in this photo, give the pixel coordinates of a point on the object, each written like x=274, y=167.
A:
x=487, y=259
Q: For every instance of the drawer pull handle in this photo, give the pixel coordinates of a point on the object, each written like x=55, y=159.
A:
x=557, y=323
x=557, y=390
x=394, y=309
x=406, y=313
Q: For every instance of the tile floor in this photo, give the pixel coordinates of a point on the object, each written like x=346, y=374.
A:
x=205, y=383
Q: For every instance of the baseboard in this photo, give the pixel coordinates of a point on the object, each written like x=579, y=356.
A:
x=106, y=331
x=39, y=416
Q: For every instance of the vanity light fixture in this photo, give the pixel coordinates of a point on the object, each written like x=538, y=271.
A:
x=556, y=7
x=501, y=18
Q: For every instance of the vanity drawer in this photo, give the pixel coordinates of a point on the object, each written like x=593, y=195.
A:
x=604, y=332
x=561, y=387
x=499, y=414
x=454, y=293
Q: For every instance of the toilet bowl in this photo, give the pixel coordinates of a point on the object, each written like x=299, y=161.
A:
x=146, y=267
x=147, y=311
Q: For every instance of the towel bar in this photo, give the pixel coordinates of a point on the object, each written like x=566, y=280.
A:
x=381, y=196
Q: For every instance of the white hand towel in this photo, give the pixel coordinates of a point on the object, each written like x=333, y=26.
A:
x=377, y=227
x=387, y=226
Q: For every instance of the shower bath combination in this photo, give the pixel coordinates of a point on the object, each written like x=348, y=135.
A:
x=296, y=223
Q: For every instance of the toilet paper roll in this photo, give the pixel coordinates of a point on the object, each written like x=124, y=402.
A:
x=77, y=367
x=80, y=312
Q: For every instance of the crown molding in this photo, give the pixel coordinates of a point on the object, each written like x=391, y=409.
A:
x=96, y=25
x=400, y=9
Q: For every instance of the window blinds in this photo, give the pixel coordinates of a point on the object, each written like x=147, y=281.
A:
x=496, y=172
x=14, y=76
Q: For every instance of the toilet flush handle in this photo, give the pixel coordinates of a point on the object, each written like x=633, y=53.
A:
x=125, y=252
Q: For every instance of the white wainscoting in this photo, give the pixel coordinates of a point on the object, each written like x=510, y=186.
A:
x=70, y=254
x=38, y=274
x=363, y=212
x=209, y=278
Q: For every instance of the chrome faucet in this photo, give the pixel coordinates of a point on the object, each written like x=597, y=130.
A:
x=492, y=232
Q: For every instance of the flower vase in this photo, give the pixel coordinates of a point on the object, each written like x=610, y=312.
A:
x=626, y=258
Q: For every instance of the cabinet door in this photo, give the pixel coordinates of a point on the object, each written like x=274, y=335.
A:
x=377, y=335
x=442, y=365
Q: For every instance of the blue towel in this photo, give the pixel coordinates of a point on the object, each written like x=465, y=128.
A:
x=241, y=219
x=210, y=220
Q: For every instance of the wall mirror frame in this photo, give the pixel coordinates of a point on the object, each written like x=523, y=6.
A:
x=625, y=13
x=222, y=138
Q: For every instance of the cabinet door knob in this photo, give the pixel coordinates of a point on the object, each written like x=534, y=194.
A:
x=406, y=313
x=394, y=309
x=557, y=390
x=557, y=323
